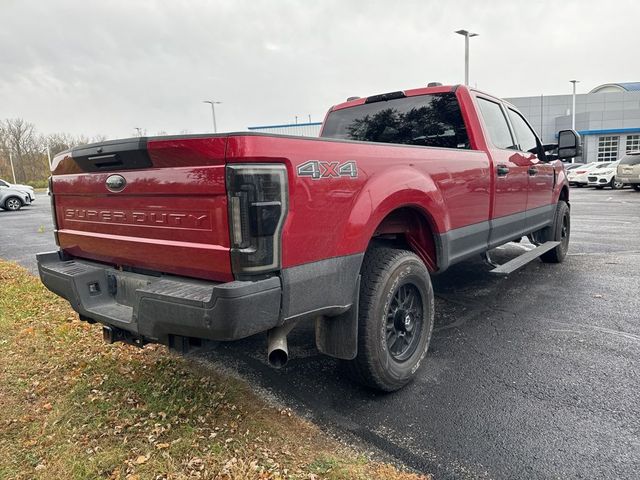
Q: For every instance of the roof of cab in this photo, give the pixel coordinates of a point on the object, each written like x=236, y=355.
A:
x=408, y=93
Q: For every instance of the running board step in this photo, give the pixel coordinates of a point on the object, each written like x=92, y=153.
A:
x=521, y=260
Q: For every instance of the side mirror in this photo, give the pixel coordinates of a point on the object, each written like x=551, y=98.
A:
x=569, y=144
x=545, y=151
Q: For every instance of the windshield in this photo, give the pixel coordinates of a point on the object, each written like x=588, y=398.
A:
x=431, y=120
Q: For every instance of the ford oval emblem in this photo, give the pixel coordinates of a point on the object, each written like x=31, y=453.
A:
x=116, y=183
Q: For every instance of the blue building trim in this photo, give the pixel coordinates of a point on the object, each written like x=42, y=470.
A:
x=608, y=131
x=312, y=124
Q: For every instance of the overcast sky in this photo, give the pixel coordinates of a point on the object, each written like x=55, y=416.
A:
x=89, y=67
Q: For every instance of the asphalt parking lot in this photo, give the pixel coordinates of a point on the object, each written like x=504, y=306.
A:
x=535, y=375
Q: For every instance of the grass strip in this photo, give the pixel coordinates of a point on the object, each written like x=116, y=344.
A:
x=73, y=407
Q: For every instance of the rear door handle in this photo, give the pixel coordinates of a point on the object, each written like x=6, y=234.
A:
x=502, y=170
x=532, y=171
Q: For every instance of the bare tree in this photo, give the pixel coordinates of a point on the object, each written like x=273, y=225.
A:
x=59, y=142
x=5, y=167
x=28, y=149
x=19, y=137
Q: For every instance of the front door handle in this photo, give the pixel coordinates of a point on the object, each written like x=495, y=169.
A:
x=532, y=171
x=502, y=170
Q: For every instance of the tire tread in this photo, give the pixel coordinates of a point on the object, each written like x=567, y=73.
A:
x=555, y=255
x=377, y=262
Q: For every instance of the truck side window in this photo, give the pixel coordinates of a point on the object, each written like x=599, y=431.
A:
x=526, y=137
x=432, y=120
x=496, y=124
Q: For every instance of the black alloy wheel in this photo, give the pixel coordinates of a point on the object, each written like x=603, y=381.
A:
x=404, y=319
x=564, y=231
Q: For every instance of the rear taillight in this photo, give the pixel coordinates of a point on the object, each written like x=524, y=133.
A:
x=257, y=209
x=53, y=211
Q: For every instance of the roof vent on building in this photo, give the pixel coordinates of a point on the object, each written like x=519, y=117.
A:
x=352, y=98
x=434, y=84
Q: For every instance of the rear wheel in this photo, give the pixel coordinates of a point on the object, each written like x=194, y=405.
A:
x=636, y=187
x=616, y=184
x=13, y=204
x=395, y=319
x=559, y=231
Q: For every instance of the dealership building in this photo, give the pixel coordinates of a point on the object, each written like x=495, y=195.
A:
x=607, y=118
x=311, y=129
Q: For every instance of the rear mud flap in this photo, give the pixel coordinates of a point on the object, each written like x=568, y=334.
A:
x=338, y=336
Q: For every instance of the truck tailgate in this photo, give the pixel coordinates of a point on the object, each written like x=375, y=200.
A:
x=169, y=217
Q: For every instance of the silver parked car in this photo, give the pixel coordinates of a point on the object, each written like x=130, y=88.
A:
x=23, y=188
x=13, y=199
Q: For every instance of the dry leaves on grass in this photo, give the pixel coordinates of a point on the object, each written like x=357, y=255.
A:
x=74, y=407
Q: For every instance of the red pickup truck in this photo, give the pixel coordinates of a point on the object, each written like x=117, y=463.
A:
x=179, y=239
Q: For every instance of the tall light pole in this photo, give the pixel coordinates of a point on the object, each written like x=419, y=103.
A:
x=213, y=112
x=13, y=172
x=49, y=153
x=467, y=35
x=573, y=104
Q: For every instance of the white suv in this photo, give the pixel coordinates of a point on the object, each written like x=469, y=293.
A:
x=605, y=176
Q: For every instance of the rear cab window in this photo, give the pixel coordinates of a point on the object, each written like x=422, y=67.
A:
x=431, y=120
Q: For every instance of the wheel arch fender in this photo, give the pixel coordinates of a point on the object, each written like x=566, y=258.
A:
x=393, y=189
x=562, y=186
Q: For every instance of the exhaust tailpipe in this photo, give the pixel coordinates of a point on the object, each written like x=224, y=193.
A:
x=277, y=350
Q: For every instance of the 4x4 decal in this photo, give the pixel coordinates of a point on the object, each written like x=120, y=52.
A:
x=318, y=169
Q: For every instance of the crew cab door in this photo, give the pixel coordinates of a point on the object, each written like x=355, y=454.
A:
x=510, y=174
x=541, y=176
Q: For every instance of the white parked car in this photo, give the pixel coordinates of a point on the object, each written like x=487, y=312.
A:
x=23, y=188
x=572, y=166
x=578, y=176
x=13, y=199
x=605, y=176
